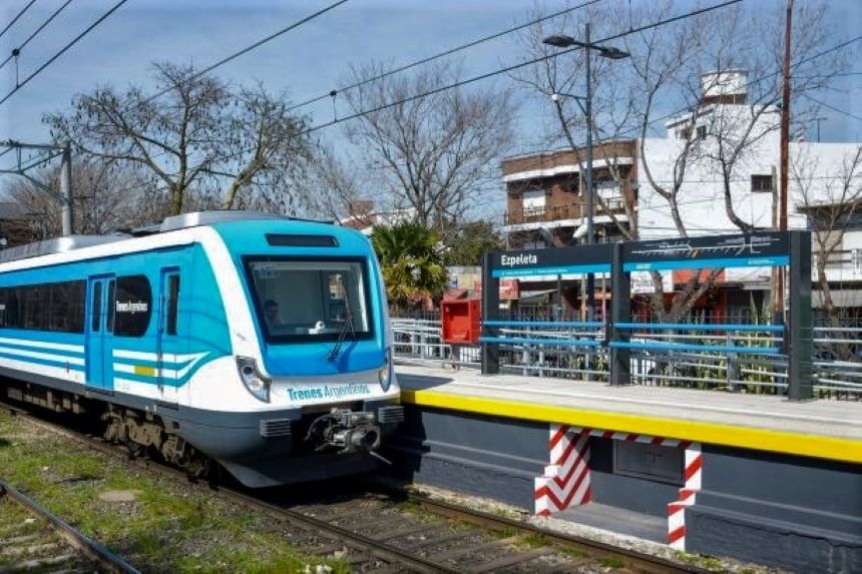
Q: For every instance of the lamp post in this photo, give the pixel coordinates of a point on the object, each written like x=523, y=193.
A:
x=587, y=108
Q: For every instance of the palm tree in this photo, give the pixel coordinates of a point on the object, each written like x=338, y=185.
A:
x=411, y=262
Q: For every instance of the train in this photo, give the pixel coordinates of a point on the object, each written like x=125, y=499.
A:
x=255, y=341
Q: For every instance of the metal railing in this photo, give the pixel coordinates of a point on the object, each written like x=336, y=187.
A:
x=740, y=358
x=614, y=204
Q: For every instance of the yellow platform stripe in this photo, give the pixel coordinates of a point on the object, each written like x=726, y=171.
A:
x=833, y=448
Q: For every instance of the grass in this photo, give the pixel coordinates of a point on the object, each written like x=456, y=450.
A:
x=612, y=562
x=573, y=553
x=701, y=560
x=164, y=529
x=533, y=540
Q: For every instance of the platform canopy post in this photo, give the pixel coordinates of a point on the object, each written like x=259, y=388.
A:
x=490, y=312
x=621, y=312
x=800, y=328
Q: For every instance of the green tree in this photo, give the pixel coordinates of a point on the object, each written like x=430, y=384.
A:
x=411, y=263
x=467, y=242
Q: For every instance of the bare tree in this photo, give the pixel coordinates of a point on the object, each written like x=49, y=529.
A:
x=673, y=66
x=831, y=205
x=106, y=198
x=199, y=136
x=339, y=187
x=432, y=146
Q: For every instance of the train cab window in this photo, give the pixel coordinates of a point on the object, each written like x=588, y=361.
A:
x=132, y=306
x=320, y=300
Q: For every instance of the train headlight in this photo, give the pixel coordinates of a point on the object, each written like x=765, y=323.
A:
x=384, y=375
x=257, y=384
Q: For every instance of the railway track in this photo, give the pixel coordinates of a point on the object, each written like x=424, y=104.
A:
x=387, y=530
x=34, y=540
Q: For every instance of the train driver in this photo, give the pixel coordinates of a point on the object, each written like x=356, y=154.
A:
x=270, y=310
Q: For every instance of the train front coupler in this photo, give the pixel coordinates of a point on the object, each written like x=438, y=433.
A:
x=348, y=431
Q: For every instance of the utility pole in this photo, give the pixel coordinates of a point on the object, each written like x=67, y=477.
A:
x=64, y=198
x=818, y=120
x=66, y=189
x=612, y=53
x=785, y=139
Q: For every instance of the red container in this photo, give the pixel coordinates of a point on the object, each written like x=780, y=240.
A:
x=461, y=321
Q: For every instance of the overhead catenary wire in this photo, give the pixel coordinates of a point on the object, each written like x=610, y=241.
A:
x=833, y=108
x=507, y=69
x=63, y=50
x=249, y=48
x=17, y=50
x=518, y=66
x=15, y=19
x=440, y=55
x=748, y=84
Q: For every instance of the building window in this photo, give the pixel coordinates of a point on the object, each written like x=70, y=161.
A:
x=761, y=183
x=533, y=205
x=701, y=132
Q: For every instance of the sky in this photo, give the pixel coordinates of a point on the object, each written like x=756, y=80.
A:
x=308, y=61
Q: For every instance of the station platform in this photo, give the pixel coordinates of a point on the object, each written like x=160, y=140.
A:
x=822, y=429
x=754, y=477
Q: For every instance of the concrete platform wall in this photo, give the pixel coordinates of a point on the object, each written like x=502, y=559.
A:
x=483, y=456
x=800, y=513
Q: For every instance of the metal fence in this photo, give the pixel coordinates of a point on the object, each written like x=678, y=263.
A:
x=726, y=357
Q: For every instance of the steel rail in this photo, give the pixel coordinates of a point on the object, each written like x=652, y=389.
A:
x=638, y=561
x=358, y=542
x=88, y=547
x=641, y=562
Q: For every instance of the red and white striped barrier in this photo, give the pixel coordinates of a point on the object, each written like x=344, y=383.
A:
x=566, y=481
x=687, y=495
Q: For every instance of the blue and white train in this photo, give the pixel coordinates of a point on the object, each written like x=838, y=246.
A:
x=257, y=341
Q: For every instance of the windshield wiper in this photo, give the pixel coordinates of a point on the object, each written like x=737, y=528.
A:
x=348, y=324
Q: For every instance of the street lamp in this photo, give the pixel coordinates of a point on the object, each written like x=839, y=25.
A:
x=560, y=41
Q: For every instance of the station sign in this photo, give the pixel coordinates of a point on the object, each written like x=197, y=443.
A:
x=767, y=249
x=552, y=261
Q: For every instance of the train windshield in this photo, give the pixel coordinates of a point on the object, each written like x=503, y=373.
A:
x=322, y=300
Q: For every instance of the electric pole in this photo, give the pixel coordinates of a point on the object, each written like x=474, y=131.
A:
x=785, y=139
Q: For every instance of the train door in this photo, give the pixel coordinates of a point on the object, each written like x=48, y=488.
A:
x=168, y=345
x=99, y=359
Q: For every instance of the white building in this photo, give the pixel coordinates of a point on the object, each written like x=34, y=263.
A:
x=546, y=203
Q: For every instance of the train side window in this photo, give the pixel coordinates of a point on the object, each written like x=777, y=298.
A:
x=67, y=306
x=132, y=306
x=97, y=307
x=173, y=303
x=109, y=323
x=58, y=296
x=13, y=308
x=36, y=312
x=77, y=298
x=4, y=294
